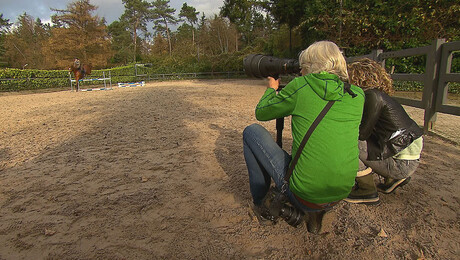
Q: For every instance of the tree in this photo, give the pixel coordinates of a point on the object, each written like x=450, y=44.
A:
x=190, y=14
x=160, y=45
x=4, y=26
x=80, y=34
x=246, y=15
x=289, y=12
x=121, y=41
x=218, y=36
x=24, y=43
x=163, y=15
x=369, y=24
x=137, y=14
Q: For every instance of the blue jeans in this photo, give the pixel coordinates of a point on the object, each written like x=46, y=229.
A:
x=266, y=161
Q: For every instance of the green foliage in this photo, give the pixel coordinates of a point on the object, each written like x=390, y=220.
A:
x=16, y=79
x=454, y=88
x=249, y=21
x=31, y=79
x=412, y=64
x=189, y=13
x=408, y=86
x=121, y=42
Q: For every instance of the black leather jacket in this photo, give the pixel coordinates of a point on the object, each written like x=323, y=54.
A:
x=386, y=126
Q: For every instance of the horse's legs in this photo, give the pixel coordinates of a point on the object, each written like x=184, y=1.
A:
x=77, y=80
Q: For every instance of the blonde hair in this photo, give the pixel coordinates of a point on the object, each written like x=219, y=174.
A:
x=324, y=56
x=368, y=74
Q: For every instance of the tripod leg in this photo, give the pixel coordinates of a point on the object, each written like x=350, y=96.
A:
x=279, y=131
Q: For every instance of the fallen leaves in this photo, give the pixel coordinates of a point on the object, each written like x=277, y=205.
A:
x=382, y=233
x=49, y=232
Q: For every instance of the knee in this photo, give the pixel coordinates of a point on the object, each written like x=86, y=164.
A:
x=251, y=130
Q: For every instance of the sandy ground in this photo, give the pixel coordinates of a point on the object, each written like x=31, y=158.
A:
x=157, y=172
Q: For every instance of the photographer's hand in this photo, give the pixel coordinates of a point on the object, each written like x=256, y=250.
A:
x=273, y=83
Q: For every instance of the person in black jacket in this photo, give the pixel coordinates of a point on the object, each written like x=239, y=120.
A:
x=390, y=141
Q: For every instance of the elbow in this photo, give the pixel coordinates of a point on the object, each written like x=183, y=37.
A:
x=261, y=117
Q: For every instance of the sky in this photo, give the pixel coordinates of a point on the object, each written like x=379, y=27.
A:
x=110, y=9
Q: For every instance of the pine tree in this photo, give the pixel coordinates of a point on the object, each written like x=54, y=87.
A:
x=190, y=14
x=4, y=26
x=163, y=16
x=78, y=34
x=137, y=14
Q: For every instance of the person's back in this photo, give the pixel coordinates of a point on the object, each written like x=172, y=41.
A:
x=328, y=164
x=383, y=117
x=325, y=171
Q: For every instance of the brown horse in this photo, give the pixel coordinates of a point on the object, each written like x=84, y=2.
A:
x=80, y=73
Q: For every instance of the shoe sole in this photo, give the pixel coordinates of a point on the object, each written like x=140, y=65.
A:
x=373, y=201
x=395, y=185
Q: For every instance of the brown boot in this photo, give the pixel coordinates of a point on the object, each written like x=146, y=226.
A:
x=315, y=221
x=364, y=191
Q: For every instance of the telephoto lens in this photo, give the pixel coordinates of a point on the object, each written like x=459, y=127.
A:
x=262, y=66
x=291, y=215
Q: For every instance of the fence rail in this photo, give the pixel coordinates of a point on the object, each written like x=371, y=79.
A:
x=195, y=75
x=435, y=80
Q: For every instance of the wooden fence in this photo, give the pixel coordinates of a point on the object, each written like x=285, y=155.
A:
x=435, y=79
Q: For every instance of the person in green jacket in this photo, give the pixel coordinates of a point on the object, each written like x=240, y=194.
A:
x=326, y=170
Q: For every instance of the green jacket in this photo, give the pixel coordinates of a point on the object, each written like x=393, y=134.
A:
x=327, y=168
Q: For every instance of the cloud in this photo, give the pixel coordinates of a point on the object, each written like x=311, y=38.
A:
x=208, y=7
x=110, y=9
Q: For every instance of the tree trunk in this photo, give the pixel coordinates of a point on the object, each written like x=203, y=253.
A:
x=193, y=34
x=290, y=40
x=135, y=42
x=236, y=42
x=169, y=38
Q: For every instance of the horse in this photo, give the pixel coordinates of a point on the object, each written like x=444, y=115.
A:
x=80, y=73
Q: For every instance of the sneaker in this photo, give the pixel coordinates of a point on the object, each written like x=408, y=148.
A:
x=391, y=184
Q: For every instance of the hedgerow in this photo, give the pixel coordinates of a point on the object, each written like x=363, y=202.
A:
x=32, y=79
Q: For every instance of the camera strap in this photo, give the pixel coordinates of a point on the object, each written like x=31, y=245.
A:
x=303, y=143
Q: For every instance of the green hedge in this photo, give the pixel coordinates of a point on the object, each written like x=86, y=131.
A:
x=453, y=87
x=31, y=79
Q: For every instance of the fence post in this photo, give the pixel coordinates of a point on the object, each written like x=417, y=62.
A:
x=103, y=75
x=376, y=56
x=70, y=78
x=445, y=68
x=433, y=62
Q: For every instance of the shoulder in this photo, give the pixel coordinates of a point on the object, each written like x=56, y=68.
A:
x=296, y=84
x=375, y=95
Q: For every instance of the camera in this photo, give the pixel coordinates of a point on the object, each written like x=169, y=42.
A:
x=262, y=66
x=279, y=207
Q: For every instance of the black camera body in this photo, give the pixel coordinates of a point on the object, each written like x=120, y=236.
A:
x=280, y=207
x=262, y=66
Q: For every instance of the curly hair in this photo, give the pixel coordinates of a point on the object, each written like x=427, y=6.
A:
x=368, y=74
x=324, y=56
